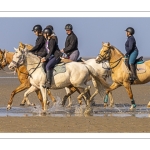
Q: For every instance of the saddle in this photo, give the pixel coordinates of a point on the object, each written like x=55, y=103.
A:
x=139, y=64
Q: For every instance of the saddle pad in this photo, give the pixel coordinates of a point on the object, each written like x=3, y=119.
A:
x=140, y=68
x=61, y=68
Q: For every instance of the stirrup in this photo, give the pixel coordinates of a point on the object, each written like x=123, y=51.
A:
x=48, y=85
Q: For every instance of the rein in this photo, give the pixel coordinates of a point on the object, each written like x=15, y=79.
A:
x=104, y=57
x=23, y=58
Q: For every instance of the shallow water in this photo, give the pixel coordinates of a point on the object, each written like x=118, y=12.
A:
x=119, y=110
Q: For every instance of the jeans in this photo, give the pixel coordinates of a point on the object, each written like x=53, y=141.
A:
x=133, y=57
x=51, y=63
x=74, y=55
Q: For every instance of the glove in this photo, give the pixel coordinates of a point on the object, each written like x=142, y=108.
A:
x=126, y=55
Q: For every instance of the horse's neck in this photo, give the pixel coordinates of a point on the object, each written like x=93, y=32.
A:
x=31, y=61
x=9, y=57
x=115, y=58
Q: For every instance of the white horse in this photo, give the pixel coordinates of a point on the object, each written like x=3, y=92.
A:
x=76, y=75
x=102, y=70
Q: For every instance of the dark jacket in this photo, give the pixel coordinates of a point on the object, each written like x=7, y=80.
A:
x=71, y=43
x=39, y=48
x=53, y=49
x=130, y=45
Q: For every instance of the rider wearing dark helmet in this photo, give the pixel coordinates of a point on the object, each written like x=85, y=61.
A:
x=53, y=54
x=38, y=49
x=132, y=51
x=71, y=44
x=51, y=27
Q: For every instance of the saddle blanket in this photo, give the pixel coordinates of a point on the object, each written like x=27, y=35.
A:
x=59, y=68
x=140, y=68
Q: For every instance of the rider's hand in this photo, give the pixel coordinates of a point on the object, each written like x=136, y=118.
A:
x=62, y=50
x=43, y=59
x=126, y=55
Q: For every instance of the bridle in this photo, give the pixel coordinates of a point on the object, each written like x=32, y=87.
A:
x=3, y=60
x=107, y=56
x=22, y=58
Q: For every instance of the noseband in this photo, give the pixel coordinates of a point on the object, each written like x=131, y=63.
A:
x=105, y=57
x=21, y=59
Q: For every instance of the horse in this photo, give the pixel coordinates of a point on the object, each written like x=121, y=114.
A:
x=119, y=75
x=76, y=75
x=5, y=59
x=101, y=72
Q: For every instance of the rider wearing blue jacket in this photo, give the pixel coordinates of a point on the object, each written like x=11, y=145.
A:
x=132, y=51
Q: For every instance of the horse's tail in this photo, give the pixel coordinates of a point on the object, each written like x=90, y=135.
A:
x=101, y=83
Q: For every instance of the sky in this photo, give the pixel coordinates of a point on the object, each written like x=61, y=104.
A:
x=91, y=32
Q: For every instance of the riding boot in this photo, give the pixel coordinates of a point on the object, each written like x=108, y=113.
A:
x=49, y=79
x=133, y=71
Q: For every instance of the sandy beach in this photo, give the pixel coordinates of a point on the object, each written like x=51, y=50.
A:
x=71, y=124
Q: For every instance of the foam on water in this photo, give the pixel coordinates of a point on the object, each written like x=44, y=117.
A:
x=57, y=110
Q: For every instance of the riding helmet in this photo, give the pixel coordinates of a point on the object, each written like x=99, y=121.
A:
x=50, y=26
x=48, y=31
x=37, y=28
x=68, y=27
x=131, y=30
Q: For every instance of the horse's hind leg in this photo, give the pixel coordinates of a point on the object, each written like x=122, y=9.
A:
x=20, y=88
x=69, y=91
x=85, y=90
x=51, y=97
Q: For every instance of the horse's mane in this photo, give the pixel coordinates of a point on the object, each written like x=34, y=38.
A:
x=33, y=57
x=113, y=47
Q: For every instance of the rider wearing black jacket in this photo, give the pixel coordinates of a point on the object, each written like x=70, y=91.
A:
x=39, y=48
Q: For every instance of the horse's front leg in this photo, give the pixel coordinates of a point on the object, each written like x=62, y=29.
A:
x=129, y=91
x=20, y=88
x=44, y=95
x=111, y=88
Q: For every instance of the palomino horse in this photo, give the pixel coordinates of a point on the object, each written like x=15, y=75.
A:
x=119, y=75
x=76, y=75
x=5, y=59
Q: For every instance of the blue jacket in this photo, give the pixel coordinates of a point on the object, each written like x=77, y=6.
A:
x=130, y=45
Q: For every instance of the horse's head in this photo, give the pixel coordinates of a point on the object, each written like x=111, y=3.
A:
x=105, y=53
x=23, y=46
x=18, y=58
x=3, y=62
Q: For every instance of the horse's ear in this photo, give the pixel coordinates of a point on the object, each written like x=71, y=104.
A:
x=15, y=49
x=108, y=44
x=102, y=43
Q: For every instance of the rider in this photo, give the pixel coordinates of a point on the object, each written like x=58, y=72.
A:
x=132, y=51
x=53, y=34
x=53, y=54
x=71, y=44
x=38, y=49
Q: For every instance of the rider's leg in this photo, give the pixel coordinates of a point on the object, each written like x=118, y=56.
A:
x=132, y=59
x=50, y=64
x=74, y=55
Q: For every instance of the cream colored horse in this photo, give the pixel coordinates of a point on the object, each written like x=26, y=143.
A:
x=76, y=75
x=102, y=72
x=119, y=76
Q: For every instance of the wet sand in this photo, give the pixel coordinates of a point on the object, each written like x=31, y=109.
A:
x=72, y=124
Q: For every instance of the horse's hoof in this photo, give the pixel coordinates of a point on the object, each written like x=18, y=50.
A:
x=8, y=107
x=93, y=104
x=133, y=106
x=105, y=105
x=22, y=104
x=47, y=103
